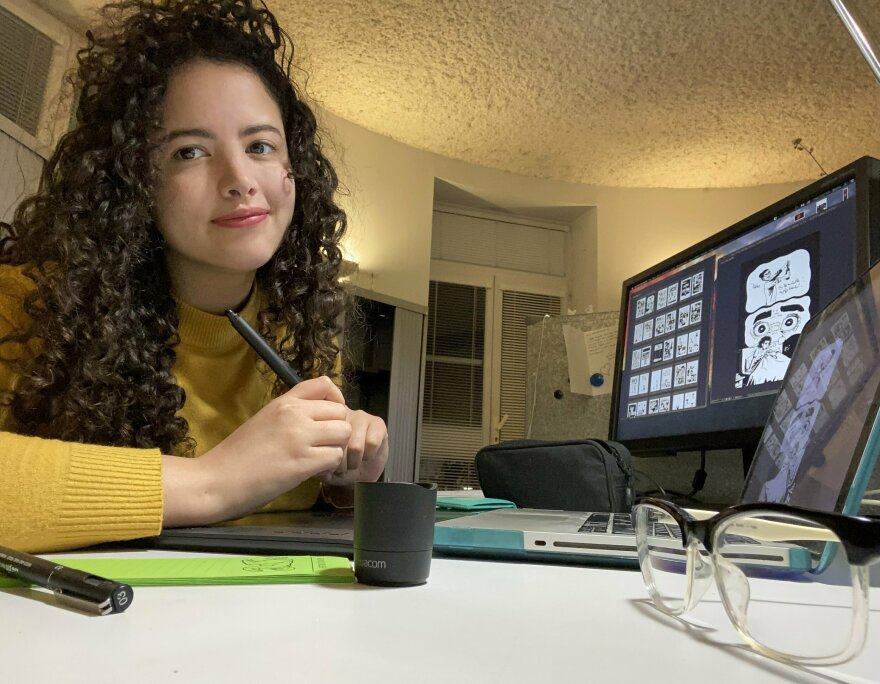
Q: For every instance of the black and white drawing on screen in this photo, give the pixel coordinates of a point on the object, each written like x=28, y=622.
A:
x=772, y=280
x=782, y=278
x=661, y=298
x=765, y=363
x=681, y=345
x=777, y=306
x=790, y=458
x=660, y=325
x=658, y=353
x=679, y=374
x=690, y=376
x=685, y=290
x=669, y=349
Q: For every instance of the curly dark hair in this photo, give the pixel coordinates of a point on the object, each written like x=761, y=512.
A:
x=103, y=310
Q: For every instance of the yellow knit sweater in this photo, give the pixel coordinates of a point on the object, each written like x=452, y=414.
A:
x=59, y=495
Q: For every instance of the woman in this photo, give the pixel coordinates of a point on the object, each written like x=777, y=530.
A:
x=193, y=183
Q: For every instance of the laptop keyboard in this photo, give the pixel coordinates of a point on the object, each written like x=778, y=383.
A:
x=621, y=524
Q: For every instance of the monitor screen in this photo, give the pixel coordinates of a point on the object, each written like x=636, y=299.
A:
x=706, y=337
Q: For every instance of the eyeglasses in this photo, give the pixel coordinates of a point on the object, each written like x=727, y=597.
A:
x=794, y=582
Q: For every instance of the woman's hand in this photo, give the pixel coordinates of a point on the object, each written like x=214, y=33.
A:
x=365, y=454
x=305, y=432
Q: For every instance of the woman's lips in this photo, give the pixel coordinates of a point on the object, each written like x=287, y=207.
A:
x=241, y=220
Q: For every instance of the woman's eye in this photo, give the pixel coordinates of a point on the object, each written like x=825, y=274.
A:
x=187, y=153
x=261, y=147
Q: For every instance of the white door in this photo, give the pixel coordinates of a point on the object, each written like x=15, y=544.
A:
x=475, y=373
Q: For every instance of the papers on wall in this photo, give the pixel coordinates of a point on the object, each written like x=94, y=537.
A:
x=590, y=359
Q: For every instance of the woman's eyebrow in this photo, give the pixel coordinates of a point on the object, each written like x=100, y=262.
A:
x=259, y=128
x=188, y=133
x=202, y=133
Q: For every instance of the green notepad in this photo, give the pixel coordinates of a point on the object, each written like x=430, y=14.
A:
x=173, y=572
x=467, y=503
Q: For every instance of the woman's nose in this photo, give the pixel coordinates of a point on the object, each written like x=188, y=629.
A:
x=235, y=179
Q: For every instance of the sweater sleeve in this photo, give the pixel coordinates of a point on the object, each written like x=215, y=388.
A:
x=61, y=495
x=58, y=495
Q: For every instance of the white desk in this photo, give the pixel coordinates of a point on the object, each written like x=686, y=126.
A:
x=473, y=622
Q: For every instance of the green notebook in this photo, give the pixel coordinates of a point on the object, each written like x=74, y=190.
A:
x=467, y=503
x=174, y=572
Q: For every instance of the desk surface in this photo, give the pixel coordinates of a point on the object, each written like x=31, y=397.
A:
x=473, y=622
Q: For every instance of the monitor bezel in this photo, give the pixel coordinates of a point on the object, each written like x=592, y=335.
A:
x=866, y=172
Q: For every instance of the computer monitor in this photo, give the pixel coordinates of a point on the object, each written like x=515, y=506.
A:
x=706, y=336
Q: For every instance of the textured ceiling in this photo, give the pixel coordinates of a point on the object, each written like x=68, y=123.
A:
x=636, y=93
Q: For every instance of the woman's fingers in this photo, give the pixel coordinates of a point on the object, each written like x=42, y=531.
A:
x=318, y=388
x=355, y=451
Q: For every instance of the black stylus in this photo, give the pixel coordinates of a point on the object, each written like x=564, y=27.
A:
x=281, y=368
x=83, y=589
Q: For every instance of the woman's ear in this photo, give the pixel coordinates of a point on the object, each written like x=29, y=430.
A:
x=287, y=182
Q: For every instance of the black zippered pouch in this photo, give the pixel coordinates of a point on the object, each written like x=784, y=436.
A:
x=576, y=475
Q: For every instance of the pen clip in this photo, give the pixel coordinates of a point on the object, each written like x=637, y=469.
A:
x=105, y=607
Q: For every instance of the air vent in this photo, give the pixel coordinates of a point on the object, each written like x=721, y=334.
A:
x=25, y=59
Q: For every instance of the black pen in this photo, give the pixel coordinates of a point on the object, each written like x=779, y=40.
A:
x=86, y=591
x=281, y=368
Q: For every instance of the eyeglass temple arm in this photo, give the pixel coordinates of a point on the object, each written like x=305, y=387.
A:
x=770, y=530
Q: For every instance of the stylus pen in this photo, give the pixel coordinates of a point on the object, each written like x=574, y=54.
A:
x=281, y=368
x=87, y=591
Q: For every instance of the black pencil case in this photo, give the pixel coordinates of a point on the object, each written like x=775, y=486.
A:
x=577, y=475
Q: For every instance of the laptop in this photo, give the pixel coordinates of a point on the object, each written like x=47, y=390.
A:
x=818, y=449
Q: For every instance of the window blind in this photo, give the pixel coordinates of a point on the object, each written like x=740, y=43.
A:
x=25, y=59
x=515, y=307
x=452, y=401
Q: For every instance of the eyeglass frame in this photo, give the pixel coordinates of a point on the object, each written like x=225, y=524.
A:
x=859, y=536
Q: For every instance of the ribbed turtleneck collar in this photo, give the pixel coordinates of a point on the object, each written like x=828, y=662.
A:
x=213, y=331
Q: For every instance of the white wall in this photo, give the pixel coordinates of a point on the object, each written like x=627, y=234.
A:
x=581, y=264
x=639, y=228
x=390, y=209
x=19, y=174
x=620, y=232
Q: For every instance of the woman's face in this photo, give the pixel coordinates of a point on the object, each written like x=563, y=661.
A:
x=224, y=200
